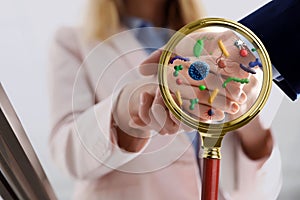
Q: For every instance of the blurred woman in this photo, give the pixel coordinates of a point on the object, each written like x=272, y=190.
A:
x=110, y=128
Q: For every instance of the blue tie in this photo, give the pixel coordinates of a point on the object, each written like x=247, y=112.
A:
x=152, y=38
x=194, y=138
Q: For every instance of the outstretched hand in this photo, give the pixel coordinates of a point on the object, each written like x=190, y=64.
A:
x=141, y=109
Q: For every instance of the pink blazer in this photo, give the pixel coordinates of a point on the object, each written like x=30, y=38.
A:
x=84, y=81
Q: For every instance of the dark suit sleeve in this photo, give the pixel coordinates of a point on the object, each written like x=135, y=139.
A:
x=276, y=24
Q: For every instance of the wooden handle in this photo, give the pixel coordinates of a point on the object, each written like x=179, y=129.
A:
x=210, y=181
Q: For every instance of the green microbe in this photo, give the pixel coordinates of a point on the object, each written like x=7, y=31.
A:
x=198, y=48
x=202, y=87
x=242, y=81
x=193, y=102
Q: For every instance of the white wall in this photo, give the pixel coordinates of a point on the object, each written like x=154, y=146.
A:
x=26, y=28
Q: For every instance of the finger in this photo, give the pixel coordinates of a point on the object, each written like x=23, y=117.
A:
x=147, y=114
x=207, y=97
x=212, y=53
x=146, y=102
x=203, y=112
x=162, y=116
x=180, y=124
x=172, y=117
x=236, y=93
x=172, y=125
x=158, y=117
x=149, y=66
x=232, y=91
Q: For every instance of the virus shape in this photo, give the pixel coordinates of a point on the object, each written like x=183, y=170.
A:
x=199, y=70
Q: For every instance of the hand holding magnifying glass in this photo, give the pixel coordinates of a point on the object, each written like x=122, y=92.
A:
x=221, y=76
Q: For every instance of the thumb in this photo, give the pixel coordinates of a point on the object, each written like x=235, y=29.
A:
x=150, y=66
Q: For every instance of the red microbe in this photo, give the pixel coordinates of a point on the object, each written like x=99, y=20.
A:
x=221, y=64
x=179, y=81
x=243, y=52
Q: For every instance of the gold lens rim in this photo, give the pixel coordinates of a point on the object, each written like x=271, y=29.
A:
x=207, y=128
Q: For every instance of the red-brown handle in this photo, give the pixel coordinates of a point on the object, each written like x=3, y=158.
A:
x=210, y=180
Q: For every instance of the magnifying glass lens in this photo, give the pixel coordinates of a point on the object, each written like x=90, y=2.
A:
x=214, y=74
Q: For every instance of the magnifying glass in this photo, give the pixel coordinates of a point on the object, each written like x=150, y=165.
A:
x=215, y=76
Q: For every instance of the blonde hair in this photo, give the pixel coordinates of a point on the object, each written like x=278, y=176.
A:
x=102, y=17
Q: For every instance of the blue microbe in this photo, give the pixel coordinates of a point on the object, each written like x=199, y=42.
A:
x=210, y=112
x=199, y=70
x=180, y=58
x=255, y=63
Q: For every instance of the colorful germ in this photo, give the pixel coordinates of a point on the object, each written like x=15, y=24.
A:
x=193, y=103
x=198, y=70
x=198, y=48
x=177, y=68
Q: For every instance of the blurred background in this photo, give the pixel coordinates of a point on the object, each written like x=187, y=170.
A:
x=27, y=28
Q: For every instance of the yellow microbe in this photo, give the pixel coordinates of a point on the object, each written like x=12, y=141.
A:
x=223, y=48
x=213, y=96
x=178, y=95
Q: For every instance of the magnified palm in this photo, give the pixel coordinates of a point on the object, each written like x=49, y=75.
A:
x=214, y=75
